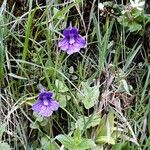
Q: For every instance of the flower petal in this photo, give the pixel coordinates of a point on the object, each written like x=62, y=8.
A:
x=54, y=105
x=101, y=6
x=45, y=111
x=64, y=44
x=49, y=94
x=132, y=3
x=66, y=32
x=141, y=4
x=45, y=94
x=37, y=106
x=73, y=32
x=73, y=49
x=80, y=42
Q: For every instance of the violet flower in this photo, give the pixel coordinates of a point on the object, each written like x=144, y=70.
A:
x=72, y=41
x=45, y=104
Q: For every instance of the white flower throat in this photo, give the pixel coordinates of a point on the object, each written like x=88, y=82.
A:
x=46, y=102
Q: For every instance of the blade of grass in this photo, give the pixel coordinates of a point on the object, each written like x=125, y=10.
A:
x=147, y=82
x=131, y=56
x=102, y=41
x=28, y=32
x=1, y=49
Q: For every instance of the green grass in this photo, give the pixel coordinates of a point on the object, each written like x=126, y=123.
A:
x=29, y=55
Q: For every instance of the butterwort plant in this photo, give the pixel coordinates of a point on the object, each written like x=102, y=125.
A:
x=45, y=104
x=72, y=41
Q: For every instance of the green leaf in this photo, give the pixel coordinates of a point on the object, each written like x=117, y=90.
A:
x=98, y=147
x=45, y=142
x=134, y=26
x=38, y=117
x=86, y=144
x=89, y=95
x=136, y=13
x=34, y=125
x=44, y=122
x=104, y=139
x=102, y=130
x=105, y=129
x=147, y=142
x=61, y=86
x=2, y=129
x=125, y=86
x=117, y=147
x=48, y=144
x=63, y=99
x=121, y=146
x=60, y=14
x=49, y=64
x=4, y=146
x=56, y=11
x=77, y=135
x=76, y=142
x=123, y=20
x=117, y=133
x=65, y=140
x=89, y=122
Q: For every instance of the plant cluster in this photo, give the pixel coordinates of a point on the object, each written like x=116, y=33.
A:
x=72, y=83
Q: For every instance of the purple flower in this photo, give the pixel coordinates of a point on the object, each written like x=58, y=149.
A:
x=72, y=41
x=45, y=104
